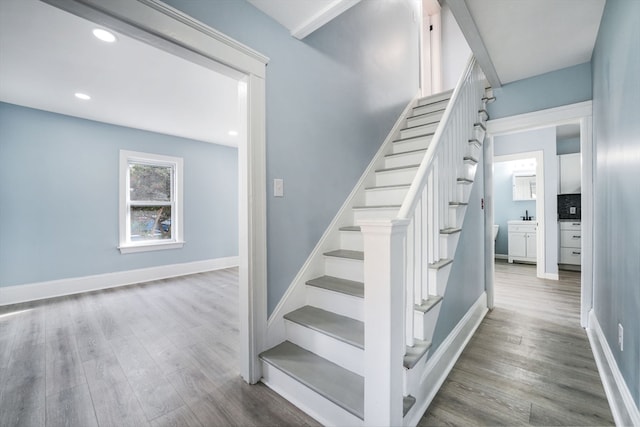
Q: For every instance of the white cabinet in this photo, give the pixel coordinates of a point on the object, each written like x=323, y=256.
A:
x=569, y=171
x=522, y=241
x=570, y=242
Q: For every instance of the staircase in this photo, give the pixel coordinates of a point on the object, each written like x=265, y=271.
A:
x=319, y=360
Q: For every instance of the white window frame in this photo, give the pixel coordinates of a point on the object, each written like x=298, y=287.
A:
x=176, y=241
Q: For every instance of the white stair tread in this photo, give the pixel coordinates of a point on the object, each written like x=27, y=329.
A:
x=339, y=385
x=348, y=287
x=398, y=168
x=339, y=327
x=436, y=97
x=376, y=207
x=387, y=187
x=345, y=253
x=413, y=138
x=428, y=304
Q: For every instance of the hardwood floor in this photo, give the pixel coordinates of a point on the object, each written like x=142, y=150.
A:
x=529, y=362
x=160, y=354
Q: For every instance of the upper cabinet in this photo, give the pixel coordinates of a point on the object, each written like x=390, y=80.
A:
x=569, y=172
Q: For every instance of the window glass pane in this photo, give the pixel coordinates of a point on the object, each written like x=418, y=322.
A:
x=150, y=182
x=150, y=223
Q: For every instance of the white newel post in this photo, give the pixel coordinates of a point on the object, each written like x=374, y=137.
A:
x=384, y=272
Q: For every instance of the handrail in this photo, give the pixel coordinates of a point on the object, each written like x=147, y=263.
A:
x=419, y=181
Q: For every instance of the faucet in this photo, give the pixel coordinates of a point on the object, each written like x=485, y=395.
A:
x=526, y=216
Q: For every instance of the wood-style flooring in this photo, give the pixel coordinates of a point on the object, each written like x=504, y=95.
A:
x=529, y=362
x=159, y=354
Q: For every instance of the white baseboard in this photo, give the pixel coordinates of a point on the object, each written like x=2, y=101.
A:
x=624, y=410
x=501, y=256
x=441, y=363
x=75, y=285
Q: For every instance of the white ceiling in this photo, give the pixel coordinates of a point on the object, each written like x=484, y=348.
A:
x=46, y=55
x=525, y=38
x=302, y=17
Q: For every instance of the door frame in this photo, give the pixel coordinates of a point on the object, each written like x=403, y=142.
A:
x=573, y=113
x=162, y=26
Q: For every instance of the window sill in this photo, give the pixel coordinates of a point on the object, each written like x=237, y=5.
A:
x=148, y=247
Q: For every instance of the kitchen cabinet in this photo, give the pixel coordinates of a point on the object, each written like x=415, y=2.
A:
x=522, y=241
x=570, y=171
x=570, y=243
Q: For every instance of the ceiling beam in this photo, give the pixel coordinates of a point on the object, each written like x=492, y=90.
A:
x=323, y=16
x=470, y=31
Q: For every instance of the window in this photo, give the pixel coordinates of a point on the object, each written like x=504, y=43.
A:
x=150, y=202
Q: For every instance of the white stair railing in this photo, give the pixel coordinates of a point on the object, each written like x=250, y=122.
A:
x=398, y=252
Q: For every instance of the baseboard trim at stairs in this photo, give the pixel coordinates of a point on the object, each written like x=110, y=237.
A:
x=295, y=295
x=75, y=285
x=444, y=358
x=624, y=410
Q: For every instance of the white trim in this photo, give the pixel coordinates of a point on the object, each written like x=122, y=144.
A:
x=500, y=256
x=322, y=17
x=445, y=357
x=540, y=119
x=75, y=285
x=177, y=202
x=624, y=410
x=156, y=23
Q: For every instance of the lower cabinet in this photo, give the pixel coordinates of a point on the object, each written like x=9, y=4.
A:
x=522, y=241
x=570, y=243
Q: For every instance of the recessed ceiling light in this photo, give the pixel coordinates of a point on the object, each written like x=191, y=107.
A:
x=104, y=35
x=82, y=96
x=233, y=133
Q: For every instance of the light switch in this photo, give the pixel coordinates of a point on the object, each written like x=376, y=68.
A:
x=278, y=187
x=572, y=210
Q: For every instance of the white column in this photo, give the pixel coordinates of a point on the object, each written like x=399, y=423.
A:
x=384, y=271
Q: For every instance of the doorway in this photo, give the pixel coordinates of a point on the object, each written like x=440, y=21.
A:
x=573, y=113
x=163, y=27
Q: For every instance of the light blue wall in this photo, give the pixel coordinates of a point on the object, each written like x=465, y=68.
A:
x=561, y=87
x=466, y=282
x=59, y=197
x=505, y=208
x=616, y=134
x=331, y=100
x=568, y=146
x=537, y=140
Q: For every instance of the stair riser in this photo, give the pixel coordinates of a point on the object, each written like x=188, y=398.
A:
x=343, y=268
x=474, y=150
x=411, y=145
x=425, y=119
x=344, y=305
x=413, y=377
x=425, y=323
x=439, y=278
x=456, y=215
x=351, y=240
x=417, y=131
x=396, y=177
x=444, y=96
x=320, y=408
x=470, y=170
x=464, y=191
x=479, y=133
x=387, y=196
x=430, y=108
x=364, y=214
x=411, y=158
x=336, y=351
x=448, y=244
